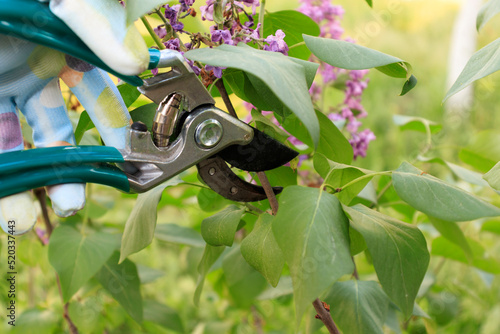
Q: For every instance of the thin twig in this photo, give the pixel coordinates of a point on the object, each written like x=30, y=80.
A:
x=355, y=272
x=41, y=195
x=225, y=97
x=325, y=317
x=271, y=196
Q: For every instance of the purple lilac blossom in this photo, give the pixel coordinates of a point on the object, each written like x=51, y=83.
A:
x=160, y=31
x=276, y=43
x=328, y=16
x=216, y=70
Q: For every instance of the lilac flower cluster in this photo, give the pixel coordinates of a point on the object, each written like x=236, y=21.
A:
x=232, y=31
x=328, y=17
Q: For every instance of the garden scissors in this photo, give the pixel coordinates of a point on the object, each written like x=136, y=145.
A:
x=187, y=128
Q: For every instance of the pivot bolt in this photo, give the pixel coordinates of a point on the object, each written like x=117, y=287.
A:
x=211, y=171
x=208, y=133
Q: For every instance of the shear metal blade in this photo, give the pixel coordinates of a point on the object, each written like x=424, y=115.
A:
x=261, y=154
x=218, y=176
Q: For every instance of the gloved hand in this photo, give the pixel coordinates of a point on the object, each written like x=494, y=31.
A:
x=29, y=82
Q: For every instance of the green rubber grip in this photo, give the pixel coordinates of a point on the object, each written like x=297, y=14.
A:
x=33, y=21
x=103, y=174
x=18, y=161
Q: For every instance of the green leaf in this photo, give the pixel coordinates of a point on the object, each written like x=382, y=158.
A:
x=357, y=242
x=312, y=231
x=138, y=8
x=84, y=124
x=482, y=63
x=399, y=253
x=123, y=284
x=358, y=307
x=141, y=223
x=282, y=176
x=332, y=143
x=179, y=235
x=438, y=199
x=76, y=257
x=487, y=11
x=262, y=252
x=492, y=226
x=144, y=114
x=163, y=315
x=243, y=281
x=484, y=152
x=210, y=255
x=129, y=93
x=409, y=85
x=416, y=123
x=443, y=247
x=351, y=56
x=370, y=3
x=460, y=172
x=286, y=77
x=453, y=233
x=219, y=229
x=337, y=175
x=493, y=177
x=293, y=24
x=210, y=201
x=265, y=125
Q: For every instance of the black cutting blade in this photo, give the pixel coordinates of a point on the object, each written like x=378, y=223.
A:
x=221, y=179
x=261, y=154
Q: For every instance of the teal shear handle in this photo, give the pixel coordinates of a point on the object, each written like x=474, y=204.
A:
x=33, y=21
x=25, y=170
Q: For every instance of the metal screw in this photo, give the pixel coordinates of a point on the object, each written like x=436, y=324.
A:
x=233, y=190
x=211, y=171
x=208, y=133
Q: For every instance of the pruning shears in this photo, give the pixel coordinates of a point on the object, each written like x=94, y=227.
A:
x=187, y=128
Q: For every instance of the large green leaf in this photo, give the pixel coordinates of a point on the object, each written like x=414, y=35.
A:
x=293, y=24
x=262, y=252
x=484, y=152
x=312, y=231
x=219, y=229
x=399, y=253
x=138, y=8
x=210, y=255
x=351, y=56
x=453, y=233
x=76, y=257
x=487, y=11
x=129, y=93
x=179, y=235
x=286, y=77
x=163, y=315
x=141, y=223
x=243, y=281
x=122, y=282
x=358, y=307
x=438, y=199
x=482, y=63
x=445, y=248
